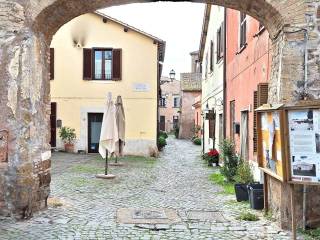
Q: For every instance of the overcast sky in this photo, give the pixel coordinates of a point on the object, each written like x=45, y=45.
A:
x=179, y=24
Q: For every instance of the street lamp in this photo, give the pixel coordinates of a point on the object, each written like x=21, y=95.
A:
x=172, y=75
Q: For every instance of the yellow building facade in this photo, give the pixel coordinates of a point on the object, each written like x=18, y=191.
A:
x=93, y=55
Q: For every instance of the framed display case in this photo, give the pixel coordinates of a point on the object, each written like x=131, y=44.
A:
x=303, y=143
x=271, y=141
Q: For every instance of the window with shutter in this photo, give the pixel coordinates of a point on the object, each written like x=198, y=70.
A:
x=51, y=63
x=102, y=64
x=255, y=133
x=220, y=42
x=211, y=56
x=116, y=64
x=87, y=63
x=260, y=97
x=243, y=30
x=262, y=94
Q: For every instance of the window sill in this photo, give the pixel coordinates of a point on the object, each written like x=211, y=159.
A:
x=260, y=32
x=242, y=49
x=101, y=81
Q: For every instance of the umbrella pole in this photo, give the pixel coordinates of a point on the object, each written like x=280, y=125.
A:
x=119, y=151
x=106, y=168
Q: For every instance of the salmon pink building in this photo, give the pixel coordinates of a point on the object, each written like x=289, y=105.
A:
x=248, y=64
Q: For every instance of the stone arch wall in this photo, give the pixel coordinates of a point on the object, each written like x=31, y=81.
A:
x=26, y=29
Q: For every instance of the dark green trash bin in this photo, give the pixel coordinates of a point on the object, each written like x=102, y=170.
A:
x=256, y=197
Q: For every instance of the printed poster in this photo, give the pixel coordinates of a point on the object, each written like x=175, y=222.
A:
x=304, y=136
x=271, y=142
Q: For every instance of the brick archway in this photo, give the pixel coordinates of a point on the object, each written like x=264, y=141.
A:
x=26, y=29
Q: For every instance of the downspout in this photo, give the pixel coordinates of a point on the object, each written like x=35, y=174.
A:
x=158, y=94
x=304, y=205
x=225, y=76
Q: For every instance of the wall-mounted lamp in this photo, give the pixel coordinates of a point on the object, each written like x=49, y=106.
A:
x=219, y=102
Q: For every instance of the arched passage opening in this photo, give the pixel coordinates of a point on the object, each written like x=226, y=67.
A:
x=26, y=33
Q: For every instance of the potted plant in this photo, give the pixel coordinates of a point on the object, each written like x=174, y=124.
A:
x=212, y=157
x=68, y=136
x=197, y=141
x=229, y=158
x=162, y=142
x=243, y=177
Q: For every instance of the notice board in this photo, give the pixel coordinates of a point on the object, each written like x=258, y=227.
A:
x=271, y=153
x=304, y=144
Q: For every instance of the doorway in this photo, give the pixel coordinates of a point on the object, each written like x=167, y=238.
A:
x=244, y=135
x=53, y=125
x=162, y=123
x=94, y=130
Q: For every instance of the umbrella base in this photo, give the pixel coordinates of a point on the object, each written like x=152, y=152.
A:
x=103, y=176
x=116, y=164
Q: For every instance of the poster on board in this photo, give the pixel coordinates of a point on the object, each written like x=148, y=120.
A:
x=271, y=143
x=304, y=138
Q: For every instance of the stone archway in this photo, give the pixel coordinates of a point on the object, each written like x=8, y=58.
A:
x=26, y=29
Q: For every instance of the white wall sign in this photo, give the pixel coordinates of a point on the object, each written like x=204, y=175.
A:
x=141, y=87
x=304, y=132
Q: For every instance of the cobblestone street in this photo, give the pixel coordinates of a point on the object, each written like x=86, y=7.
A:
x=84, y=207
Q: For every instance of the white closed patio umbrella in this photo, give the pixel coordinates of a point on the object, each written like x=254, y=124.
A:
x=109, y=135
x=121, y=128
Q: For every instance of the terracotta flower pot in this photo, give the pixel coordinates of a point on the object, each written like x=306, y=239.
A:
x=69, y=147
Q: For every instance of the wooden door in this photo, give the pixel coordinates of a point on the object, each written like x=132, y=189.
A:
x=53, y=125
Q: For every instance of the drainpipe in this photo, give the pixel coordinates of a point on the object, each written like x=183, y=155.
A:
x=225, y=76
x=304, y=205
x=158, y=95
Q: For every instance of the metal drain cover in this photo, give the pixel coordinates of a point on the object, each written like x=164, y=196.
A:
x=147, y=216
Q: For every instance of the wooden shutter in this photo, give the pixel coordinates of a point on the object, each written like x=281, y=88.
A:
x=255, y=133
x=211, y=56
x=222, y=39
x=262, y=94
x=51, y=63
x=87, y=63
x=260, y=97
x=116, y=64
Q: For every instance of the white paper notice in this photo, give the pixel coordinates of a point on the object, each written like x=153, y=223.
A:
x=304, y=134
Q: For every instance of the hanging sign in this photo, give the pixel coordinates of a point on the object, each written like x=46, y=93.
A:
x=304, y=144
x=210, y=115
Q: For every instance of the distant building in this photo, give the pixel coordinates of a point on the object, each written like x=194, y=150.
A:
x=197, y=116
x=105, y=56
x=212, y=62
x=248, y=64
x=169, y=104
x=190, y=89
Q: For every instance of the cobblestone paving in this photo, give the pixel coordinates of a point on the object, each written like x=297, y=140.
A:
x=83, y=207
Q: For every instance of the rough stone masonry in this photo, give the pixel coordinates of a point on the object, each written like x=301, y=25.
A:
x=26, y=29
